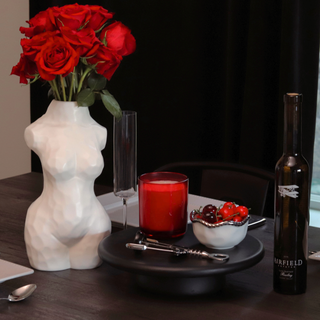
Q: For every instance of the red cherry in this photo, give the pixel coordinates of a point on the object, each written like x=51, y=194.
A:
x=235, y=210
x=226, y=213
x=198, y=216
x=210, y=219
x=229, y=205
x=209, y=208
x=209, y=213
x=243, y=211
x=237, y=219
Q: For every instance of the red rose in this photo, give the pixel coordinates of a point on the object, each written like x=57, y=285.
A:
x=118, y=37
x=107, y=61
x=43, y=21
x=99, y=17
x=56, y=57
x=25, y=69
x=31, y=47
x=73, y=16
x=84, y=40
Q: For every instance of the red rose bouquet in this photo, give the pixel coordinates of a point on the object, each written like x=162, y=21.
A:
x=76, y=49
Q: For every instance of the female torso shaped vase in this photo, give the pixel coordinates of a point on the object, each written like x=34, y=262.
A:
x=65, y=225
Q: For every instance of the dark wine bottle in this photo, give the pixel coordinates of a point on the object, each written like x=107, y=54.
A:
x=291, y=218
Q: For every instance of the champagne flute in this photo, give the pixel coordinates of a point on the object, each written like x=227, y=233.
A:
x=125, y=158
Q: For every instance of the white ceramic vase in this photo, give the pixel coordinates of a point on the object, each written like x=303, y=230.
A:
x=65, y=225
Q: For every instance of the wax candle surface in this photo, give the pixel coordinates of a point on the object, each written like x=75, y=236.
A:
x=163, y=207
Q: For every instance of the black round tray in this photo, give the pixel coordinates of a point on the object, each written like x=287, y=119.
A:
x=185, y=274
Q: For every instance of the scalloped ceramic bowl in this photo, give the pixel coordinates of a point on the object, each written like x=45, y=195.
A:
x=222, y=235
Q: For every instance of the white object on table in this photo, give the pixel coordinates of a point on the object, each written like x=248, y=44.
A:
x=113, y=206
x=9, y=270
x=315, y=256
x=65, y=225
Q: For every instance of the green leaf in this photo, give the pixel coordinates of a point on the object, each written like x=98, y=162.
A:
x=102, y=27
x=81, y=27
x=96, y=81
x=85, y=98
x=104, y=40
x=84, y=61
x=111, y=104
x=36, y=77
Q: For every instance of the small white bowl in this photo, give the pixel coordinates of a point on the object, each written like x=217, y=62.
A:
x=221, y=235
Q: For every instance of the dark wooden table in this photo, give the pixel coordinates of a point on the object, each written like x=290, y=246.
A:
x=108, y=293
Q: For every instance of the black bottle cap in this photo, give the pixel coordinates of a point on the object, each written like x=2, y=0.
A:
x=292, y=98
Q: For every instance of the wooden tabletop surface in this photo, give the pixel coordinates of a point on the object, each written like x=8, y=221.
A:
x=109, y=293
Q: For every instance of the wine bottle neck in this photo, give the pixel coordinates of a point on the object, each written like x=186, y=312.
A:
x=292, y=124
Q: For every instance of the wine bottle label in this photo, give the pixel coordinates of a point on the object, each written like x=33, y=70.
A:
x=288, y=191
x=288, y=263
x=286, y=268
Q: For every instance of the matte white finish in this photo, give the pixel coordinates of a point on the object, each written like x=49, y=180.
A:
x=9, y=270
x=65, y=225
x=222, y=237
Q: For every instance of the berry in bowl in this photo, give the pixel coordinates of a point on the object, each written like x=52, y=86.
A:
x=220, y=228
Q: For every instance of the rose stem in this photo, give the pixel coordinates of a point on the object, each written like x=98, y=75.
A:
x=82, y=78
x=55, y=89
x=63, y=88
x=71, y=85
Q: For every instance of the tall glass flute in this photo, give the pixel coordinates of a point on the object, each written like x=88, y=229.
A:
x=125, y=158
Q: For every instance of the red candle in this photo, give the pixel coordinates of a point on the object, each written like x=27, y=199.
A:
x=163, y=203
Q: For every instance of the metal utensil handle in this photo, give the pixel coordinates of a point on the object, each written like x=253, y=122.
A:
x=159, y=244
x=256, y=224
x=142, y=247
x=136, y=246
x=219, y=256
x=216, y=256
